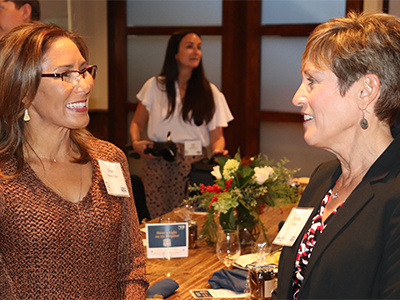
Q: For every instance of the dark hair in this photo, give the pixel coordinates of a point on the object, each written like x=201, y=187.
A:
x=357, y=45
x=21, y=53
x=35, y=14
x=198, y=104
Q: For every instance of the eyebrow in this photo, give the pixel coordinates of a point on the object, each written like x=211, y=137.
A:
x=311, y=72
x=71, y=66
x=190, y=42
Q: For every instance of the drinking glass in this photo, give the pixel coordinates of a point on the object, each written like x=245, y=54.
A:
x=228, y=246
x=261, y=253
x=185, y=212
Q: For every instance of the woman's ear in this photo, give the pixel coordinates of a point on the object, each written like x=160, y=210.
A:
x=370, y=90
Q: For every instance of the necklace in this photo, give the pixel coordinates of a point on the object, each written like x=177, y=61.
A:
x=55, y=159
x=57, y=190
x=335, y=194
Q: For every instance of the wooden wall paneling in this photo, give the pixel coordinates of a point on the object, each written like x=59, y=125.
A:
x=288, y=30
x=253, y=77
x=357, y=5
x=98, y=124
x=273, y=116
x=385, y=6
x=234, y=71
x=169, y=30
x=117, y=72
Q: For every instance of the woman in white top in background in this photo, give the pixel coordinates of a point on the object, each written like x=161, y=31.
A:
x=183, y=102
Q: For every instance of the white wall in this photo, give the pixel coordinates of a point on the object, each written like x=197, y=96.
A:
x=89, y=19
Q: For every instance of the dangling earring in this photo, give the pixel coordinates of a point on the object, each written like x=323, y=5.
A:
x=26, y=116
x=363, y=122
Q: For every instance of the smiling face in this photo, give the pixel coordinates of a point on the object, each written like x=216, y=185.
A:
x=59, y=104
x=189, y=54
x=329, y=117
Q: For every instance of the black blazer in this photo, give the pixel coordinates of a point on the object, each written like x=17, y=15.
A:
x=358, y=254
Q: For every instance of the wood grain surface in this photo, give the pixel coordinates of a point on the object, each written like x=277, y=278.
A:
x=193, y=272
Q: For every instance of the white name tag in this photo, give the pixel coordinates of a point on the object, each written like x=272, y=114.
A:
x=113, y=178
x=193, y=148
x=295, y=222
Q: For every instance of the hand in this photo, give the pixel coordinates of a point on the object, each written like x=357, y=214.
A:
x=140, y=146
x=218, y=152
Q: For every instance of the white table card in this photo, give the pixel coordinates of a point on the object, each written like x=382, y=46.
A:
x=293, y=225
x=167, y=240
x=220, y=293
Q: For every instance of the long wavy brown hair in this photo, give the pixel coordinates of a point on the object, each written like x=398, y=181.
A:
x=21, y=55
x=198, y=104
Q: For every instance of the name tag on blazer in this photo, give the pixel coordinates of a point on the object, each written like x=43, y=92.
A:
x=294, y=224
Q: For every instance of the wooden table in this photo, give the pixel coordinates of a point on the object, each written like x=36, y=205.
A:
x=193, y=272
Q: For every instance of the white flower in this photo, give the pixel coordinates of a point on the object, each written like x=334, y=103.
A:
x=231, y=166
x=216, y=173
x=262, y=174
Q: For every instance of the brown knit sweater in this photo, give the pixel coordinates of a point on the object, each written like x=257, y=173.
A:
x=51, y=248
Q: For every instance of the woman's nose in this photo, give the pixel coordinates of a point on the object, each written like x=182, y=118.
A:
x=299, y=97
x=85, y=83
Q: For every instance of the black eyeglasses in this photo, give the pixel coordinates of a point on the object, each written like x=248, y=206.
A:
x=73, y=77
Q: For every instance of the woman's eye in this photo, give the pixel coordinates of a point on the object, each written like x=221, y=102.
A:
x=310, y=81
x=67, y=74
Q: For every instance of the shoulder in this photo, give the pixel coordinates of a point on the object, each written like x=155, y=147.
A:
x=152, y=89
x=215, y=90
x=155, y=81
x=219, y=97
x=105, y=150
x=325, y=169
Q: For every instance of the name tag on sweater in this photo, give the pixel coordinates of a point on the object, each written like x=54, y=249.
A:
x=113, y=178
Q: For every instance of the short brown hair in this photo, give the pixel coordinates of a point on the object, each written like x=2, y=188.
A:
x=35, y=5
x=360, y=44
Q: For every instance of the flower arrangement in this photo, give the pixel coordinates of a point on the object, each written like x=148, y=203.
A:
x=242, y=190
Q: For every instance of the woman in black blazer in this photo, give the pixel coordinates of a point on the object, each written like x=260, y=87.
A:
x=350, y=93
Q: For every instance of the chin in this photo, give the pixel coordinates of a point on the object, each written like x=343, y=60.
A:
x=310, y=140
x=81, y=124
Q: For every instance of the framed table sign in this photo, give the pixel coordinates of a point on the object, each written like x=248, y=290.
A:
x=167, y=240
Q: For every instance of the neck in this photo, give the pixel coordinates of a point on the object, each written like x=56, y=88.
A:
x=48, y=151
x=183, y=77
x=360, y=154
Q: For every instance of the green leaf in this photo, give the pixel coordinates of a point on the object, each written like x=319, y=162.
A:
x=237, y=156
x=209, y=229
x=246, y=171
x=222, y=161
x=227, y=220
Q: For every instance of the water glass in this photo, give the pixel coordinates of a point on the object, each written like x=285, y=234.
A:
x=228, y=246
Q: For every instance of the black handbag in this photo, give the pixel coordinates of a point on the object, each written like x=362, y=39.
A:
x=201, y=171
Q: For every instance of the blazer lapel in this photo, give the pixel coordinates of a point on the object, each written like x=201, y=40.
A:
x=360, y=197
x=355, y=202
x=312, y=197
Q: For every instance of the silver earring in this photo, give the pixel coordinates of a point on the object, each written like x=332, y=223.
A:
x=363, y=122
x=26, y=116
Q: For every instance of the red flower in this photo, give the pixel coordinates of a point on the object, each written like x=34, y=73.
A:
x=211, y=189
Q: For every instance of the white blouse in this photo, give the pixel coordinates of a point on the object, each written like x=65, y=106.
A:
x=154, y=98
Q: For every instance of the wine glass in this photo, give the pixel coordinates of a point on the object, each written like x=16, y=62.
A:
x=228, y=246
x=185, y=212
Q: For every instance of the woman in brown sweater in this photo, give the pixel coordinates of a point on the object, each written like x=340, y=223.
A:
x=63, y=233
